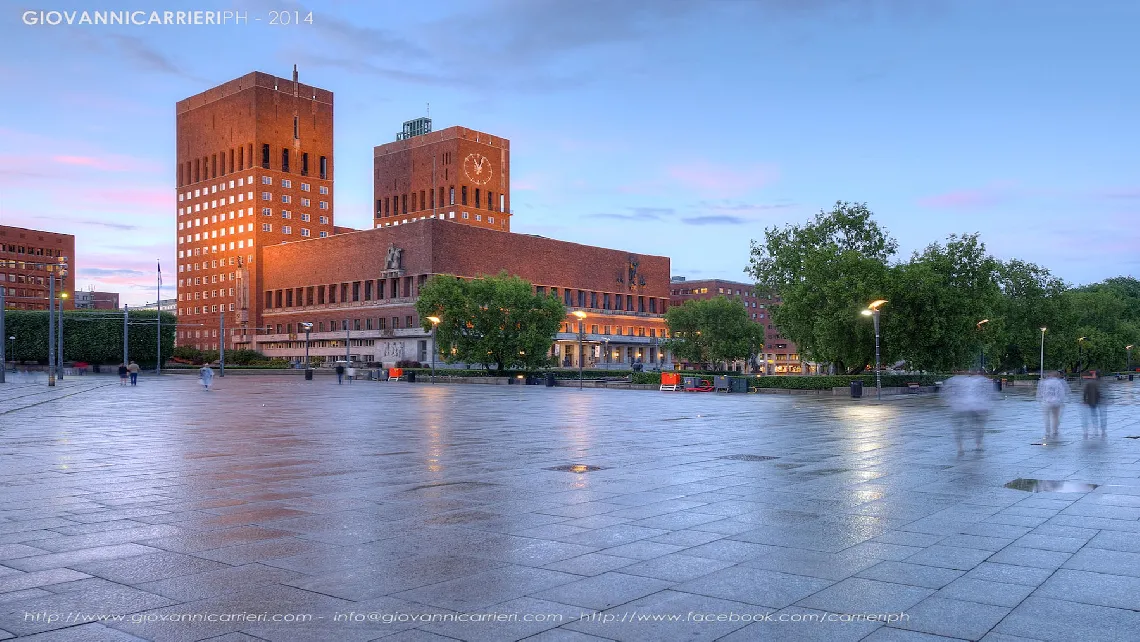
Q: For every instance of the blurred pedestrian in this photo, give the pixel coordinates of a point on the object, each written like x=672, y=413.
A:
x=1052, y=393
x=133, y=369
x=206, y=376
x=123, y=371
x=351, y=373
x=970, y=396
x=1093, y=398
x=339, y=373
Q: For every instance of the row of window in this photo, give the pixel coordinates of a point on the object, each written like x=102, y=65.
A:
x=216, y=203
x=607, y=301
x=450, y=216
x=722, y=290
x=617, y=330
x=371, y=290
x=286, y=198
x=13, y=248
x=210, y=249
x=25, y=279
x=399, y=204
x=342, y=325
x=240, y=159
x=285, y=182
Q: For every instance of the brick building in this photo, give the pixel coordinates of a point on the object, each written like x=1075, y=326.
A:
x=254, y=168
x=456, y=173
x=780, y=355
x=92, y=300
x=24, y=257
x=362, y=287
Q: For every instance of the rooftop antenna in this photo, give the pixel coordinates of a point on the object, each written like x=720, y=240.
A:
x=429, y=110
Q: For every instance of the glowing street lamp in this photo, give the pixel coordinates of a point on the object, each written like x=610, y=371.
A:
x=873, y=311
x=1080, y=357
x=434, y=323
x=982, y=349
x=581, y=337
x=1042, y=375
x=307, y=327
x=1129, y=349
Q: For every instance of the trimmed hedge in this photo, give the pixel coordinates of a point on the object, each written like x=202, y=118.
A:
x=91, y=336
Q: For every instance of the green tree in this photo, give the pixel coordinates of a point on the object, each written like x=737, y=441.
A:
x=715, y=331
x=493, y=321
x=937, y=300
x=826, y=271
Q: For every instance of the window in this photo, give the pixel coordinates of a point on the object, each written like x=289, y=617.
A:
x=478, y=200
x=286, y=183
x=463, y=196
x=296, y=130
x=286, y=214
x=305, y=218
x=491, y=219
x=285, y=229
x=266, y=227
x=266, y=196
x=324, y=205
x=323, y=190
x=452, y=197
x=284, y=160
x=265, y=211
x=285, y=198
x=324, y=220
x=266, y=180
x=304, y=187
x=324, y=234
x=324, y=168
x=478, y=217
x=304, y=202
x=408, y=322
x=265, y=156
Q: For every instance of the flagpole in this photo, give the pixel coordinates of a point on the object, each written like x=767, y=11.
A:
x=158, y=324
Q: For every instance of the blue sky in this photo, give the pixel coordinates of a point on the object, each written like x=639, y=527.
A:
x=679, y=128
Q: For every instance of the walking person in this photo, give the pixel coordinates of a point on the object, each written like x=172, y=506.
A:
x=1051, y=393
x=351, y=373
x=339, y=373
x=970, y=396
x=123, y=371
x=1093, y=398
x=206, y=376
x=133, y=369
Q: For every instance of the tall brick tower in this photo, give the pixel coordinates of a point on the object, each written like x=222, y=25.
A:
x=457, y=174
x=255, y=168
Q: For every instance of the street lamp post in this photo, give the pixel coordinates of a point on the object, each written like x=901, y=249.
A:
x=51, y=326
x=3, y=335
x=59, y=348
x=434, y=323
x=982, y=349
x=1080, y=357
x=126, y=321
x=581, y=337
x=221, y=344
x=873, y=312
x=1041, y=376
x=307, y=327
x=1126, y=348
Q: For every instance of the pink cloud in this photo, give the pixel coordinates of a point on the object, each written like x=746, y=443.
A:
x=723, y=180
x=110, y=163
x=987, y=196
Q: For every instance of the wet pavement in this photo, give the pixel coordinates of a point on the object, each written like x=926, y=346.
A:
x=276, y=509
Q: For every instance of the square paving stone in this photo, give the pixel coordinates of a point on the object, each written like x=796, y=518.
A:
x=1115, y=541
x=861, y=595
x=1010, y=573
x=828, y=566
x=676, y=567
x=58, y=560
x=1051, y=543
x=952, y=618
x=603, y=591
x=974, y=590
x=911, y=574
x=1099, y=560
x=188, y=588
x=148, y=568
x=481, y=590
x=755, y=586
x=1021, y=556
x=1118, y=591
x=1052, y=620
x=18, y=581
x=953, y=557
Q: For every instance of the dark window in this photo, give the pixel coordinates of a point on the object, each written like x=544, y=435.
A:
x=265, y=156
x=368, y=291
x=404, y=204
x=356, y=290
x=478, y=200
x=381, y=324
x=305, y=164
x=380, y=289
x=296, y=130
x=566, y=296
x=581, y=299
x=269, y=298
x=395, y=323
x=324, y=168
x=606, y=301
x=540, y=290
x=629, y=303
x=408, y=322
x=289, y=298
x=641, y=304
x=344, y=293
x=490, y=200
x=594, y=300
x=278, y=328
x=285, y=160
x=309, y=295
x=332, y=294
x=652, y=305
x=379, y=208
x=277, y=298
x=356, y=324
x=241, y=157
x=320, y=295
x=463, y=196
x=423, y=203
x=413, y=201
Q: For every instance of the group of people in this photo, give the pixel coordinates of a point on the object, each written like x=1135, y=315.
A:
x=971, y=398
x=129, y=369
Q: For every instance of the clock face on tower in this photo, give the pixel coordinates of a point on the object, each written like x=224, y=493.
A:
x=477, y=168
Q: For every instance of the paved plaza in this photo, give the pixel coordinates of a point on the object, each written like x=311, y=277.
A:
x=271, y=508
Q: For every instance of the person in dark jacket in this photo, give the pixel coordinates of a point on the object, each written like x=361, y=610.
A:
x=123, y=374
x=339, y=373
x=1093, y=398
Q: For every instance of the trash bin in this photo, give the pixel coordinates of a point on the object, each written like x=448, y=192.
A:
x=411, y=375
x=737, y=384
x=550, y=380
x=308, y=374
x=1130, y=376
x=856, y=389
x=690, y=382
x=998, y=383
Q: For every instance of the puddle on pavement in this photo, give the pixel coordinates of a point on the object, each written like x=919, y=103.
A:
x=575, y=468
x=1050, y=486
x=748, y=457
x=461, y=484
